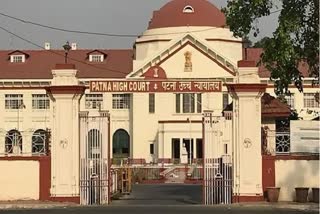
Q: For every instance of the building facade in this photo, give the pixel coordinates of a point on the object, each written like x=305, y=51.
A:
x=155, y=94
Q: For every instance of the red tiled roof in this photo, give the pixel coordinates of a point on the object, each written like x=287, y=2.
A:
x=117, y=64
x=254, y=55
x=273, y=107
x=171, y=15
x=270, y=107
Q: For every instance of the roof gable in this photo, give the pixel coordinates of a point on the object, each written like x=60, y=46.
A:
x=96, y=51
x=18, y=52
x=189, y=61
x=177, y=45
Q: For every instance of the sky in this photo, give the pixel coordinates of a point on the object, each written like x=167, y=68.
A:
x=107, y=16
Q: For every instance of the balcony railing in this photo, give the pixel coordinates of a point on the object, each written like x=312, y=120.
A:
x=282, y=142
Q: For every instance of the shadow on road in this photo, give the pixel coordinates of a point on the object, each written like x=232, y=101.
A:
x=162, y=194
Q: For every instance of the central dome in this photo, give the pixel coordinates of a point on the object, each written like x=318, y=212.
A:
x=178, y=13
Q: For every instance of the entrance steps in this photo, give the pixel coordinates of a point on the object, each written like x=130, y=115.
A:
x=190, y=170
x=178, y=175
x=167, y=171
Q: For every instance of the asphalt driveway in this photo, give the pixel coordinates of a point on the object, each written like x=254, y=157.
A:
x=162, y=194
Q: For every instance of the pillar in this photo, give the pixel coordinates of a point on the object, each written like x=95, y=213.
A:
x=247, y=159
x=65, y=94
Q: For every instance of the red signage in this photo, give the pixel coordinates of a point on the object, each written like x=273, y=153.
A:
x=155, y=86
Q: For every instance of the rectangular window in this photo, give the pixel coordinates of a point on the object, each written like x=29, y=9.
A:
x=310, y=100
x=17, y=58
x=188, y=144
x=188, y=103
x=175, y=148
x=225, y=100
x=40, y=101
x=151, y=148
x=151, y=103
x=94, y=101
x=178, y=103
x=13, y=101
x=199, y=149
x=96, y=58
x=290, y=100
x=121, y=101
x=191, y=103
x=199, y=103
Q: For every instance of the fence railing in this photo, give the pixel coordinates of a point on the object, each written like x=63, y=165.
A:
x=282, y=142
x=276, y=142
x=159, y=161
x=17, y=143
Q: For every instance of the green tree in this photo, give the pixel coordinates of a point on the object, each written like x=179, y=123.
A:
x=261, y=43
x=296, y=38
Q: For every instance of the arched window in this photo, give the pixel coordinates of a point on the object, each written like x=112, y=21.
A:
x=188, y=9
x=39, y=142
x=13, y=142
x=94, y=143
x=121, y=144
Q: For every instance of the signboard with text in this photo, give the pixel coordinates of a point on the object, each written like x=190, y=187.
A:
x=155, y=86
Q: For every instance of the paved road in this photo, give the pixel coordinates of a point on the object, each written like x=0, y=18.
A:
x=162, y=194
x=166, y=199
x=183, y=209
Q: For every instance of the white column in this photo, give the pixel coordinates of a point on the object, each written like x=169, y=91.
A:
x=248, y=140
x=27, y=142
x=65, y=95
x=247, y=157
x=161, y=141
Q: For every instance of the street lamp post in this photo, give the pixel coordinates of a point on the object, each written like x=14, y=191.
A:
x=66, y=48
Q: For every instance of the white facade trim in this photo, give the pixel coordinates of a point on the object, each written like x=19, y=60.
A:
x=176, y=44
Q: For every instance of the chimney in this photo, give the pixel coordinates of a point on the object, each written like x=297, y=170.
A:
x=73, y=46
x=47, y=46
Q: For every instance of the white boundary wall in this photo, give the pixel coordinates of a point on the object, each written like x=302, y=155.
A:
x=295, y=173
x=19, y=180
x=304, y=136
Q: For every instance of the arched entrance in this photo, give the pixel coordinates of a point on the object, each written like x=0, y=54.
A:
x=121, y=144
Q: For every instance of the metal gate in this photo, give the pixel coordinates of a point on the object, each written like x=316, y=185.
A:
x=94, y=159
x=217, y=164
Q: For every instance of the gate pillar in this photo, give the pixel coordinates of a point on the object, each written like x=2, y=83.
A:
x=247, y=159
x=65, y=93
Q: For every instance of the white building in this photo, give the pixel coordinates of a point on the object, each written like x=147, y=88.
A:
x=155, y=94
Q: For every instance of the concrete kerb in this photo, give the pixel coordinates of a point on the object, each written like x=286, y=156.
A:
x=4, y=205
x=251, y=205
x=279, y=205
x=34, y=205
